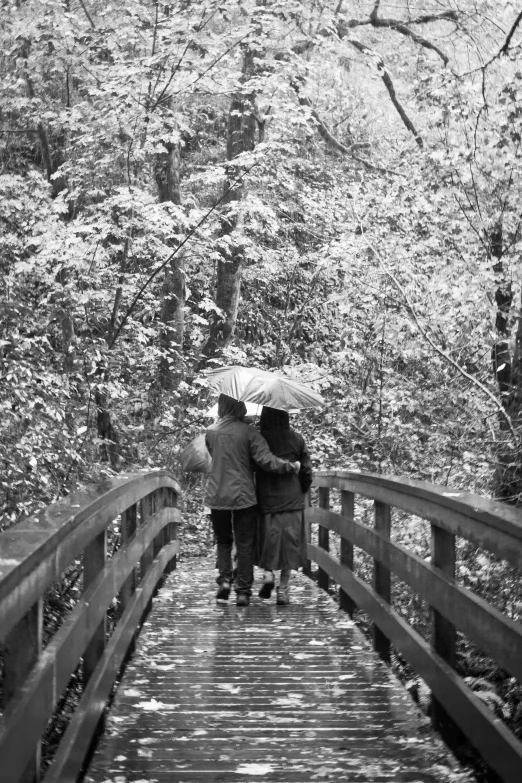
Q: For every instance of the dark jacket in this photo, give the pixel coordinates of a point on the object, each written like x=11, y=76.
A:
x=284, y=493
x=236, y=449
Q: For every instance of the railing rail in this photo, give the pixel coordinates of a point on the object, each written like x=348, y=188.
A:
x=33, y=555
x=489, y=525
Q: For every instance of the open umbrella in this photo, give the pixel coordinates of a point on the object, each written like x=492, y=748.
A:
x=283, y=393
x=264, y=388
x=233, y=380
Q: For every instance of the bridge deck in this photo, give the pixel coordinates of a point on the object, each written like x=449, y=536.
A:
x=216, y=692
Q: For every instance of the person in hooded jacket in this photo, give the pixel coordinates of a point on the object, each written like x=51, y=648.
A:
x=281, y=499
x=237, y=449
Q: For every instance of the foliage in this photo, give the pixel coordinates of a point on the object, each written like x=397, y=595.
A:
x=386, y=157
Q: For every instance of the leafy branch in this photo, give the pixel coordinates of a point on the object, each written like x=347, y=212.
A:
x=237, y=182
x=456, y=366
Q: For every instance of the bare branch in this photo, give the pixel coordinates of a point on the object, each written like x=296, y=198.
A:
x=87, y=14
x=328, y=136
x=385, y=76
x=510, y=34
x=403, y=27
x=325, y=131
x=450, y=16
x=373, y=15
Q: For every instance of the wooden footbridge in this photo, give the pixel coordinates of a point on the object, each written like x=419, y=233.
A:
x=208, y=691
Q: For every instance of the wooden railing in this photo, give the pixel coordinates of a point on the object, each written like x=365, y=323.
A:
x=489, y=525
x=138, y=512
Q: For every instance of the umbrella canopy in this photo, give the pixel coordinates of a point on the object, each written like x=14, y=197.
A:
x=233, y=380
x=282, y=393
x=196, y=458
x=264, y=388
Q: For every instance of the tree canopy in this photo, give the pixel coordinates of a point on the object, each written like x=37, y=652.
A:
x=329, y=188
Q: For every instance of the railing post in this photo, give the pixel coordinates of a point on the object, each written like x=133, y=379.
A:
x=128, y=529
x=94, y=559
x=171, y=531
x=308, y=530
x=443, y=633
x=348, y=512
x=159, y=503
x=146, y=511
x=22, y=648
x=323, y=580
x=381, y=578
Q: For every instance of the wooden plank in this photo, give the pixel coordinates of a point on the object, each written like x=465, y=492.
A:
x=293, y=689
x=26, y=717
x=488, y=734
x=323, y=537
x=501, y=516
x=79, y=735
x=348, y=514
x=381, y=576
x=489, y=524
x=497, y=635
x=38, y=551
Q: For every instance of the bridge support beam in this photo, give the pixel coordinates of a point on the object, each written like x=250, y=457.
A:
x=323, y=580
x=94, y=559
x=308, y=527
x=170, y=500
x=443, y=632
x=382, y=578
x=348, y=512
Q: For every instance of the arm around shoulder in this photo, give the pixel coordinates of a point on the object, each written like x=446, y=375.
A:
x=263, y=457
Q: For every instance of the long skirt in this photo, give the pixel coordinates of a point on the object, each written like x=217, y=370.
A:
x=281, y=540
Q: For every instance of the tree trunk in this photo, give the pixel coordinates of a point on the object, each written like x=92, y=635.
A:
x=508, y=373
x=240, y=138
x=500, y=353
x=166, y=172
x=508, y=475
x=106, y=431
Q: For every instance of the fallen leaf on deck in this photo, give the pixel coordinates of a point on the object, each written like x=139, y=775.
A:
x=254, y=769
x=229, y=688
x=150, y=705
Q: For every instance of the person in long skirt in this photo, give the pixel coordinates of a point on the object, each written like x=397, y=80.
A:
x=281, y=500
x=236, y=448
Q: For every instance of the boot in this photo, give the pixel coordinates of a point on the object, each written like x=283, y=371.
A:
x=282, y=596
x=223, y=591
x=268, y=585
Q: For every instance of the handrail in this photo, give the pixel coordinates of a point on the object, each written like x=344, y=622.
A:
x=33, y=555
x=488, y=524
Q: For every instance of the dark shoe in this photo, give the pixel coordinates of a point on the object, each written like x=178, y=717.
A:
x=242, y=599
x=223, y=591
x=283, y=596
x=266, y=589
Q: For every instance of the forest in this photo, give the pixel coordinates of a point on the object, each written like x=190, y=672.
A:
x=327, y=188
